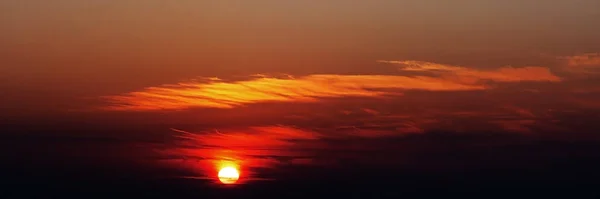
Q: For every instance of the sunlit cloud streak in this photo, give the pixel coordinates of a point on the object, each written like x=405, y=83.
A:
x=583, y=60
x=469, y=75
x=259, y=142
x=249, y=147
x=250, y=137
x=587, y=64
x=217, y=93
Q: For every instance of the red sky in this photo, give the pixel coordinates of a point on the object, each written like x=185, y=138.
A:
x=306, y=70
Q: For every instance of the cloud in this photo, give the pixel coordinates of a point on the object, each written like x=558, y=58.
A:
x=248, y=147
x=584, y=64
x=583, y=60
x=521, y=111
x=371, y=111
x=219, y=94
x=517, y=126
x=468, y=75
x=252, y=148
x=252, y=137
x=264, y=146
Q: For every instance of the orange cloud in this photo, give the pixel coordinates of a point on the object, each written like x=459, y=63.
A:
x=468, y=75
x=219, y=94
x=267, y=136
x=588, y=59
x=204, y=153
x=588, y=63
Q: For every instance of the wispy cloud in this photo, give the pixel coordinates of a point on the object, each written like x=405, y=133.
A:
x=282, y=142
x=583, y=60
x=203, y=153
x=518, y=126
x=249, y=148
x=583, y=64
x=339, y=128
x=222, y=94
x=469, y=75
x=219, y=94
x=251, y=137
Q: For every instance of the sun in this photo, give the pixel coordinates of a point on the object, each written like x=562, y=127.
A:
x=228, y=175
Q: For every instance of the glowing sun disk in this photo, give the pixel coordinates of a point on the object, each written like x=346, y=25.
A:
x=228, y=175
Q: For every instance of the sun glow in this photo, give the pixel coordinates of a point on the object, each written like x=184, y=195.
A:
x=228, y=175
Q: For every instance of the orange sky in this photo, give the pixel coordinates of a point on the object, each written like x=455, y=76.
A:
x=315, y=70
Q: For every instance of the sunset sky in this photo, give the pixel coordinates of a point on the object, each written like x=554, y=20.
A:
x=279, y=80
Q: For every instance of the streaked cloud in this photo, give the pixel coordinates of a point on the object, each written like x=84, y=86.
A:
x=250, y=147
x=583, y=60
x=217, y=93
x=585, y=64
x=518, y=126
x=253, y=137
x=469, y=75
x=264, y=146
x=203, y=152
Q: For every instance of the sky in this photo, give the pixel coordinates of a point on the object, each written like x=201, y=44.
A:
x=296, y=76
